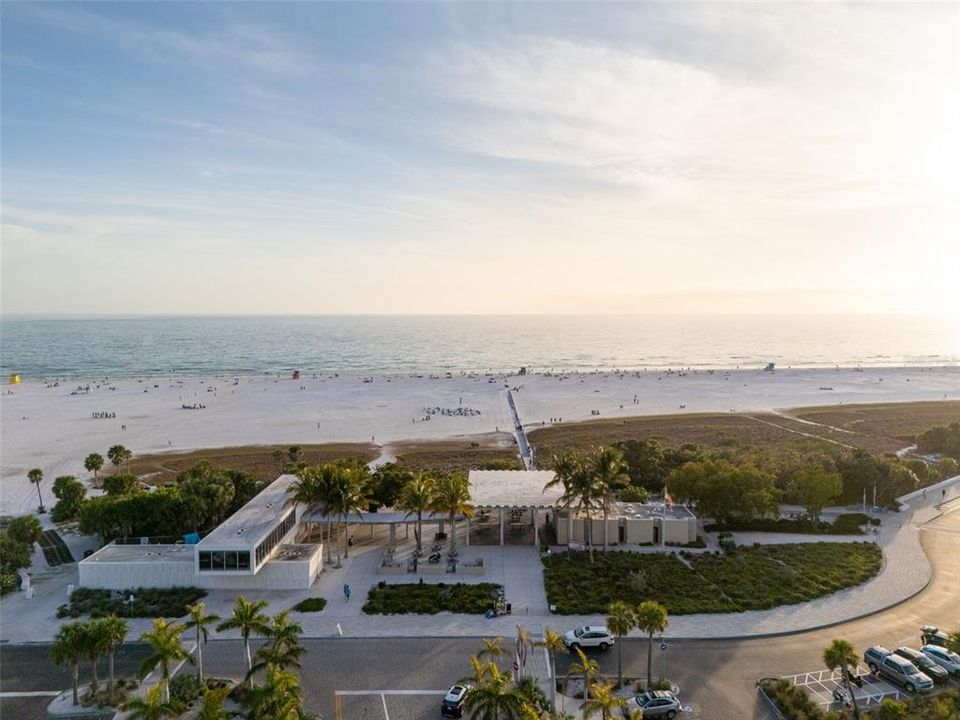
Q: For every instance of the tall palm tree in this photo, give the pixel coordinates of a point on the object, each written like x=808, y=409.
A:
x=283, y=649
x=249, y=618
x=620, y=621
x=348, y=495
x=118, y=455
x=166, y=649
x=586, y=668
x=278, y=698
x=553, y=643
x=603, y=701
x=36, y=477
x=312, y=489
x=416, y=498
x=452, y=496
x=573, y=473
x=609, y=474
x=493, y=699
x=840, y=653
x=201, y=624
x=522, y=648
x=651, y=618
x=480, y=670
x=68, y=646
x=94, y=646
x=154, y=706
x=114, y=632
x=92, y=463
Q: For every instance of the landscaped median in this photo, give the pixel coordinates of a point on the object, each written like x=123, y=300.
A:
x=431, y=598
x=755, y=578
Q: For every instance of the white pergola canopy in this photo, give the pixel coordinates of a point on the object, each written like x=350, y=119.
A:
x=513, y=489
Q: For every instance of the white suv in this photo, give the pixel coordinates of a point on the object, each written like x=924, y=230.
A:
x=589, y=636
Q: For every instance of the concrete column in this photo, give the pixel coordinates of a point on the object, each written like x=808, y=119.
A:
x=393, y=536
x=501, y=526
x=467, y=541
x=536, y=529
x=569, y=525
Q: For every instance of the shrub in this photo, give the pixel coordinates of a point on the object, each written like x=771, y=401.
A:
x=792, y=701
x=634, y=494
x=751, y=578
x=185, y=687
x=787, y=525
x=25, y=529
x=148, y=602
x=9, y=581
x=314, y=604
x=429, y=599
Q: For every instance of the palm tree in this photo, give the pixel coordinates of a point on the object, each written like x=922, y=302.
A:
x=93, y=463
x=416, y=498
x=36, y=477
x=118, y=455
x=94, y=646
x=603, y=701
x=284, y=649
x=585, y=667
x=522, y=648
x=621, y=621
x=573, y=473
x=494, y=698
x=68, y=646
x=480, y=670
x=312, y=489
x=249, y=618
x=553, y=643
x=532, y=695
x=201, y=623
x=212, y=707
x=492, y=648
x=348, y=495
x=651, y=618
x=164, y=641
x=278, y=698
x=114, y=632
x=452, y=496
x=953, y=642
x=840, y=653
x=153, y=706
x=609, y=474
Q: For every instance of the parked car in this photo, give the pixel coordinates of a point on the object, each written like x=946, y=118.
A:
x=925, y=664
x=897, y=669
x=947, y=659
x=589, y=636
x=657, y=704
x=932, y=635
x=452, y=704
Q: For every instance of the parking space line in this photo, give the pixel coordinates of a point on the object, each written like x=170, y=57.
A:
x=33, y=693
x=389, y=692
x=383, y=699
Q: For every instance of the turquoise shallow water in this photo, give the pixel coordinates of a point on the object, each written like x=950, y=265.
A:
x=137, y=346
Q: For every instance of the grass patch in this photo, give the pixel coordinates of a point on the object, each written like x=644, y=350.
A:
x=756, y=578
x=148, y=602
x=314, y=604
x=430, y=598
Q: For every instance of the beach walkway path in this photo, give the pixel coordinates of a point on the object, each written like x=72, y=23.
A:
x=526, y=453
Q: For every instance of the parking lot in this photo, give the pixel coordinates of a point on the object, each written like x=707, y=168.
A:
x=388, y=704
x=821, y=684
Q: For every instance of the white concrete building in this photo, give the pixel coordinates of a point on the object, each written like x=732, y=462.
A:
x=653, y=523
x=255, y=548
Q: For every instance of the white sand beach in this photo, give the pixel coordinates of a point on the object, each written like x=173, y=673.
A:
x=53, y=428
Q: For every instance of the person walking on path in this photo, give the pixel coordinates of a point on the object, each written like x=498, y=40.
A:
x=346, y=592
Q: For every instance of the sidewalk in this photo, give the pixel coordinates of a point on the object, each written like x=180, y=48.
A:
x=905, y=572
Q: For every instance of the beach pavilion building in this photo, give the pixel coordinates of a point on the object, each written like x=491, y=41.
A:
x=255, y=548
x=652, y=523
x=513, y=507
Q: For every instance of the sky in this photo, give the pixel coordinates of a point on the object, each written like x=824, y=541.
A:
x=317, y=158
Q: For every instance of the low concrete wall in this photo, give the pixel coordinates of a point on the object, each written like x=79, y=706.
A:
x=123, y=575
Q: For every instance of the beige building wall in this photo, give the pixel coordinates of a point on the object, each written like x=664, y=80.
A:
x=681, y=531
x=639, y=531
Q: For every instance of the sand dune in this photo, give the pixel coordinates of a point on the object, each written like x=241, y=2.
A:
x=52, y=427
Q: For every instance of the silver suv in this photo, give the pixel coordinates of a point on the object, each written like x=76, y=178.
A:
x=658, y=704
x=897, y=669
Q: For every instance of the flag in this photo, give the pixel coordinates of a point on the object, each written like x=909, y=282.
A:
x=666, y=497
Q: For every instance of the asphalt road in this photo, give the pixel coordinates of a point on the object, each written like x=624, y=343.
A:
x=716, y=677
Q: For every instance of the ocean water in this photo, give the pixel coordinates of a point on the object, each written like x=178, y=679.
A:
x=47, y=348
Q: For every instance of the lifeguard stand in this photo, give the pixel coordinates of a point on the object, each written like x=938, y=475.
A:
x=15, y=379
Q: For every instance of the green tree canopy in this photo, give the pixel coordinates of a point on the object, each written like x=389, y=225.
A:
x=70, y=494
x=725, y=492
x=25, y=529
x=815, y=489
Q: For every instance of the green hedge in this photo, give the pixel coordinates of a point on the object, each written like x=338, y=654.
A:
x=148, y=602
x=846, y=524
x=792, y=701
x=756, y=578
x=430, y=598
x=314, y=604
